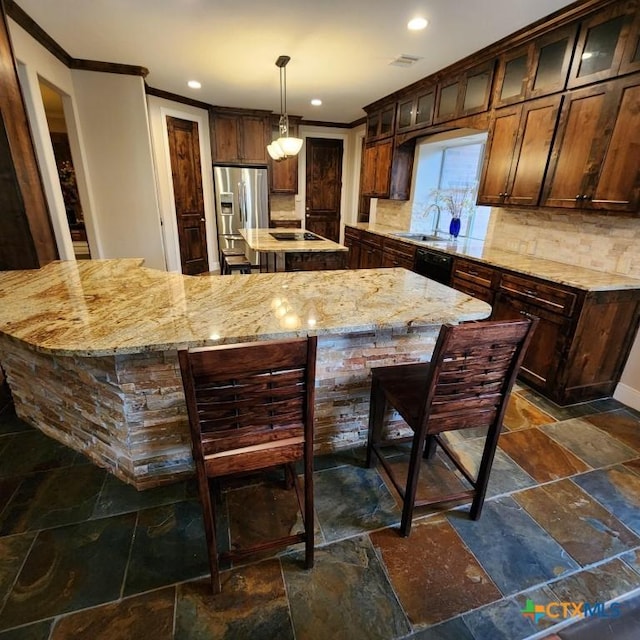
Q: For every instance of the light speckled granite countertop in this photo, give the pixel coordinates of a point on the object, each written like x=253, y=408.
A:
x=573, y=276
x=105, y=307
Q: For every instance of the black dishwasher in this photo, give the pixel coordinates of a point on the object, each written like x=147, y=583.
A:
x=434, y=265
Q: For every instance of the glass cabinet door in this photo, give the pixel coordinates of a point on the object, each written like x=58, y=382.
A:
x=552, y=67
x=386, y=120
x=448, y=102
x=476, y=93
x=373, y=122
x=537, y=69
x=601, y=45
x=405, y=113
x=424, y=108
x=514, y=79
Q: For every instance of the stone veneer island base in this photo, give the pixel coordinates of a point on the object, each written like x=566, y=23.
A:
x=90, y=349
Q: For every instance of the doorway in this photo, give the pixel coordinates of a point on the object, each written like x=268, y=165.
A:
x=323, y=186
x=54, y=111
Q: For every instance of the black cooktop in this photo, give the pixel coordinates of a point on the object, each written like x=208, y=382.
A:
x=295, y=235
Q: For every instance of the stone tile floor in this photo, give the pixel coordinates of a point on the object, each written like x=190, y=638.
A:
x=82, y=555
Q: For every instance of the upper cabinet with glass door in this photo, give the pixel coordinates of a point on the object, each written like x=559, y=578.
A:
x=464, y=95
x=416, y=110
x=536, y=69
x=381, y=121
x=607, y=45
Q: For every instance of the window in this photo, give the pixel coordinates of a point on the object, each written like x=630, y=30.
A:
x=446, y=185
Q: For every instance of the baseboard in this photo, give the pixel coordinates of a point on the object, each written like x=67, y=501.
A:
x=627, y=395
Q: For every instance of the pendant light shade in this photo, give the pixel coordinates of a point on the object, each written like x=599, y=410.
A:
x=285, y=146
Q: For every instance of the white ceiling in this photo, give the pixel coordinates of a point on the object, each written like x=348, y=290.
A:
x=340, y=49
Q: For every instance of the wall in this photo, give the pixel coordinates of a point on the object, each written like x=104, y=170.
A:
x=117, y=147
x=106, y=117
x=159, y=109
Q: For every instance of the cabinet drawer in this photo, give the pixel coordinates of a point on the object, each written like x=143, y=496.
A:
x=547, y=296
x=372, y=240
x=473, y=273
x=470, y=288
x=396, y=259
x=401, y=249
x=352, y=234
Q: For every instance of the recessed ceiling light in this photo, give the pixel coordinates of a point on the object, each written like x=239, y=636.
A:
x=194, y=84
x=316, y=102
x=417, y=24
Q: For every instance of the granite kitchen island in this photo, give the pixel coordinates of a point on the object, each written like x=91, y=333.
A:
x=283, y=249
x=90, y=348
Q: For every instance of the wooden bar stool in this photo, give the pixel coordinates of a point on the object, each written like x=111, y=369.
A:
x=466, y=385
x=233, y=264
x=251, y=407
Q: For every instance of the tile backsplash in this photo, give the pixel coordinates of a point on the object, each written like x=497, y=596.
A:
x=283, y=207
x=395, y=214
x=595, y=241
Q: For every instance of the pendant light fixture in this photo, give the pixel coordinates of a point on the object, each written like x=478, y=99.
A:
x=285, y=146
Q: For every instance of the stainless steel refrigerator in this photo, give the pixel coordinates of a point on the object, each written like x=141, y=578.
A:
x=242, y=202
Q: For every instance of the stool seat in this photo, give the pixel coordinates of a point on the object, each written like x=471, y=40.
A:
x=230, y=251
x=238, y=264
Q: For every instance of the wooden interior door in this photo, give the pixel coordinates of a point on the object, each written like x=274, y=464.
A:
x=324, y=186
x=184, y=151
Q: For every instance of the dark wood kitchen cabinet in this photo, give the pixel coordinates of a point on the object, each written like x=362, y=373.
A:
x=370, y=250
x=283, y=174
x=416, y=110
x=396, y=253
x=607, y=44
x=535, y=69
x=376, y=173
x=594, y=161
x=475, y=279
x=464, y=95
x=381, y=121
x=239, y=137
x=554, y=307
x=517, y=153
x=386, y=171
x=582, y=340
x=352, y=240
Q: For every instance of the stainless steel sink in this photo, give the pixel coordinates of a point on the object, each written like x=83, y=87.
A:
x=420, y=237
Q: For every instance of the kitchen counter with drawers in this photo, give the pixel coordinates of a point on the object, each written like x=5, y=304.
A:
x=588, y=319
x=558, y=272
